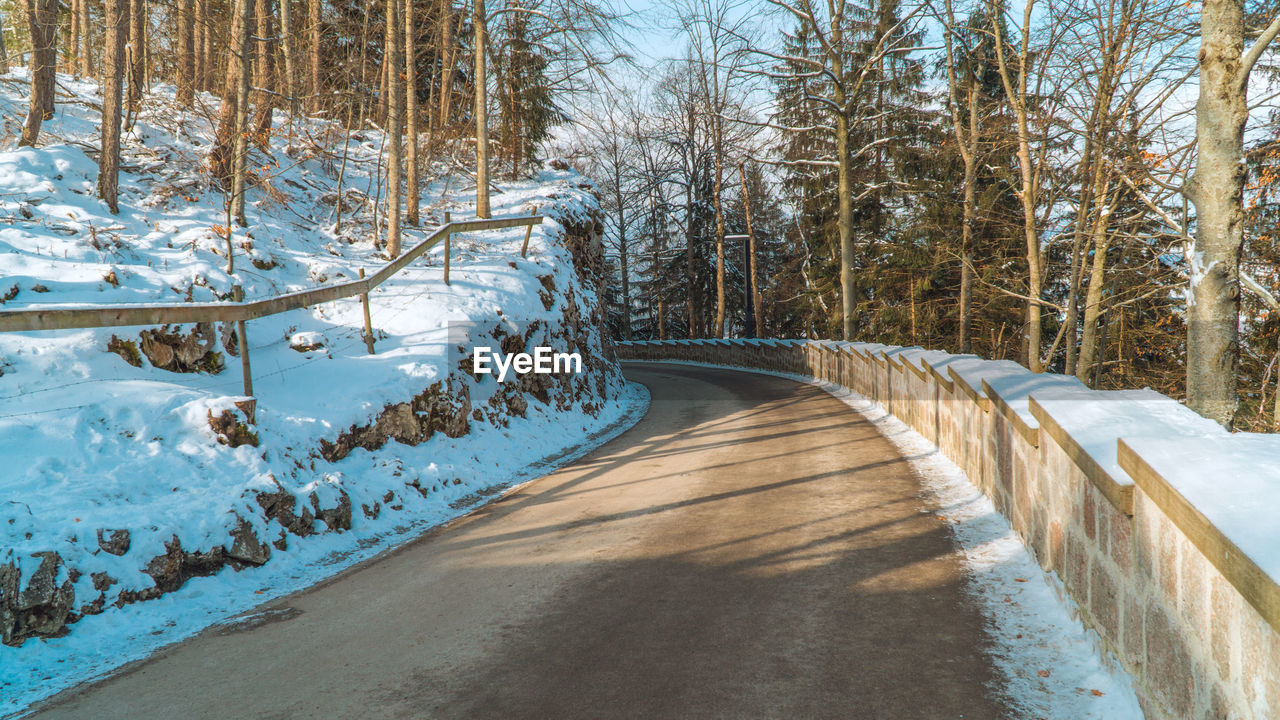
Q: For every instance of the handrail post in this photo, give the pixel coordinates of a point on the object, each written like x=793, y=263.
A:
x=242, y=339
x=448, y=236
x=368, y=322
x=524, y=249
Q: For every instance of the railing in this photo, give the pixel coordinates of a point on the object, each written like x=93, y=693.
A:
x=239, y=312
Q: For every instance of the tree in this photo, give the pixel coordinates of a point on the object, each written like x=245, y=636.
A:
x=411, y=108
x=480, y=80
x=186, y=54
x=42, y=24
x=117, y=18
x=838, y=81
x=1217, y=190
x=395, y=112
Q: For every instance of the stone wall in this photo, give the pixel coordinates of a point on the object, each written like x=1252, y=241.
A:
x=1169, y=592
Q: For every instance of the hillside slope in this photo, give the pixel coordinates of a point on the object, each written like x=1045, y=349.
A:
x=137, y=503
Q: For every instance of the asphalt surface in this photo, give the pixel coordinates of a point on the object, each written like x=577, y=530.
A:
x=750, y=549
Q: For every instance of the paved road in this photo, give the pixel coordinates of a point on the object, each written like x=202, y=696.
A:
x=750, y=549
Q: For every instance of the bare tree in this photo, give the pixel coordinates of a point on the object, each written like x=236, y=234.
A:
x=480, y=79
x=137, y=59
x=411, y=109
x=845, y=78
x=117, y=18
x=395, y=110
x=186, y=61
x=42, y=24
x=313, y=54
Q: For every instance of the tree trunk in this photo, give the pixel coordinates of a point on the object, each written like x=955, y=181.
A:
x=222, y=158
x=42, y=23
x=844, y=189
x=691, y=286
x=720, y=259
x=620, y=203
x=969, y=151
x=412, y=191
x=481, y=48
x=4, y=52
x=313, y=55
x=447, y=55
x=186, y=59
x=137, y=59
x=74, y=46
x=1028, y=193
x=86, y=40
x=1093, y=309
x=395, y=108
x=241, y=157
x=752, y=274
x=1217, y=189
x=263, y=73
x=289, y=49
x=116, y=22
x=203, y=47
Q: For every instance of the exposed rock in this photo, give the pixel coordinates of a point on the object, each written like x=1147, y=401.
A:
x=113, y=542
x=41, y=608
x=231, y=431
x=102, y=581
x=183, y=353
x=171, y=570
x=279, y=506
x=245, y=545
x=335, y=518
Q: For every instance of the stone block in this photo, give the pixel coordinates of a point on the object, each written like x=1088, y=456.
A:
x=1104, y=604
x=1166, y=553
x=1120, y=540
x=1224, y=627
x=1056, y=549
x=1259, y=661
x=1089, y=515
x=1193, y=587
x=1170, y=670
x=1133, y=641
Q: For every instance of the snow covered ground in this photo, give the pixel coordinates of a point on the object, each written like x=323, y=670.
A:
x=93, y=444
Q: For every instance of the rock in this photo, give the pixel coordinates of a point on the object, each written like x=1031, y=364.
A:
x=189, y=350
x=102, y=581
x=160, y=354
x=41, y=608
x=171, y=570
x=116, y=543
x=245, y=545
x=230, y=431
x=41, y=585
x=400, y=423
x=336, y=518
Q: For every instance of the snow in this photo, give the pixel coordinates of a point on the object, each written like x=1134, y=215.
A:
x=92, y=443
x=1232, y=480
x=1048, y=665
x=1095, y=419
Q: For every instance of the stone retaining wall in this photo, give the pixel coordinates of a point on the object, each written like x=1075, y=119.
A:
x=1192, y=617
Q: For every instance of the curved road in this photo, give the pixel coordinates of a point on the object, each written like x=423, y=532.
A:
x=750, y=549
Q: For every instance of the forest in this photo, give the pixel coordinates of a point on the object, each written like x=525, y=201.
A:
x=1084, y=186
